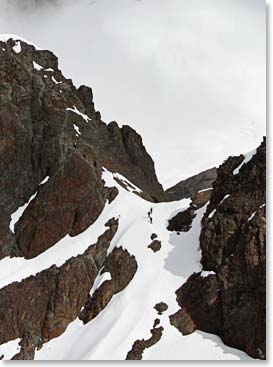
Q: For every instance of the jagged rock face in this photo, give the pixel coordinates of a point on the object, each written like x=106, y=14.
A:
x=43, y=305
x=182, y=221
x=231, y=303
x=122, y=266
x=200, y=306
x=139, y=346
x=189, y=187
x=50, y=128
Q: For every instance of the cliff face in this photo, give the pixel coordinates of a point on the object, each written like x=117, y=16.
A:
x=189, y=187
x=48, y=128
x=231, y=302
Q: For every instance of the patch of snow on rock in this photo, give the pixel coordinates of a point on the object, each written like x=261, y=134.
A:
x=205, y=273
x=76, y=128
x=17, y=48
x=101, y=278
x=210, y=188
x=224, y=198
x=55, y=81
x=129, y=185
x=37, y=66
x=212, y=213
x=75, y=110
x=19, y=212
x=247, y=158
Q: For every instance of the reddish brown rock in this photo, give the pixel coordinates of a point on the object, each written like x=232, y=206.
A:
x=200, y=302
x=155, y=245
x=156, y=322
x=182, y=221
x=140, y=345
x=38, y=139
x=122, y=267
x=153, y=236
x=161, y=307
x=68, y=203
x=231, y=303
x=43, y=305
x=190, y=187
x=201, y=198
x=97, y=302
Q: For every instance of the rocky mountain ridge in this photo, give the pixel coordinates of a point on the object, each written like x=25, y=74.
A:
x=189, y=187
x=80, y=204
x=51, y=129
x=231, y=301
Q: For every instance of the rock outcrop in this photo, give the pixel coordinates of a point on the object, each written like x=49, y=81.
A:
x=50, y=129
x=139, y=346
x=161, y=307
x=189, y=187
x=53, y=147
x=40, y=307
x=182, y=221
x=122, y=267
x=232, y=302
x=155, y=245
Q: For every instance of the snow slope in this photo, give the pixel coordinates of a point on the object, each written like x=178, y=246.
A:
x=9, y=349
x=130, y=314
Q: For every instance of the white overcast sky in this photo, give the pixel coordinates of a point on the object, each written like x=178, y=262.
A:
x=188, y=75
